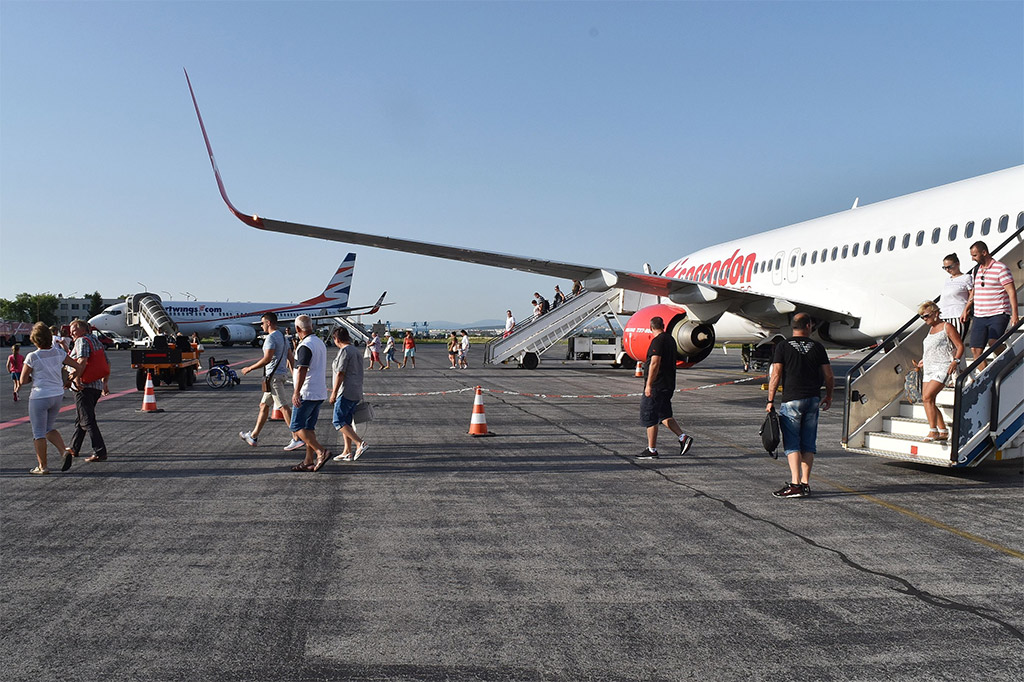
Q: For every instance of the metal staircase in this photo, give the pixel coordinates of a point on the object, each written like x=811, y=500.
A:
x=532, y=337
x=146, y=310
x=355, y=329
x=984, y=411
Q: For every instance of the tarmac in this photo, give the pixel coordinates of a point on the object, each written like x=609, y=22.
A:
x=542, y=552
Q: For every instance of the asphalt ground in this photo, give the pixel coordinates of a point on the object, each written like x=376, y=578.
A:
x=543, y=552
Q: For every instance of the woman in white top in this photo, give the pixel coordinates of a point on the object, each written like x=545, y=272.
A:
x=954, y=307
x=42, y=369
x=941, y=358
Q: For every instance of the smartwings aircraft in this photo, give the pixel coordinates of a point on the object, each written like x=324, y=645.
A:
x=234, y=322
x=860, y=274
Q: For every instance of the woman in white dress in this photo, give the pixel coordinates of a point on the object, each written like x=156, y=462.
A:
x=941, y=358
x=956, y=291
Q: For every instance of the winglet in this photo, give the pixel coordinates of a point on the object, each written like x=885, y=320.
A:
x=253, y=220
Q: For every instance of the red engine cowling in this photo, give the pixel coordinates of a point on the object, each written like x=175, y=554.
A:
x=694, y=340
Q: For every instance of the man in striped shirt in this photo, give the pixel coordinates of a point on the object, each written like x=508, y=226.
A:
x=995, y=300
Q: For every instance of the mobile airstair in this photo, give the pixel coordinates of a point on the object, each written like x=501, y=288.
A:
x=532, y=337
x=355, y=329
x=146, y=310
x=984, y=411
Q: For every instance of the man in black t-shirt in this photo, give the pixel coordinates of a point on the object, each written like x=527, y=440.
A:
x=656, y=403
x=801, y=365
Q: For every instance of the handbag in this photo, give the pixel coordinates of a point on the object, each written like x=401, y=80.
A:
x=771, y=433
x=97, y=366
x=912, y=386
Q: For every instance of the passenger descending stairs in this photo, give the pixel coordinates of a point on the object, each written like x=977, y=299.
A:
x=984, y=411
x=532, y=337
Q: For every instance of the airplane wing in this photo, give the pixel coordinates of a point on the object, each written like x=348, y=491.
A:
x=359, y=310
x=706, y=302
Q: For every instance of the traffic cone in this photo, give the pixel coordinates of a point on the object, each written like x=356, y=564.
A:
x=478, y=422
x=277, y=415
x=149, y=398
x=639, y=369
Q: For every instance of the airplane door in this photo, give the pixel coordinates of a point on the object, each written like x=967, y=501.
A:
x=793, y=269
x=778, y=262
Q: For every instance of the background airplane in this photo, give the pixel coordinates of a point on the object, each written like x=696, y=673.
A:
x=236, y=322
x=860, y=273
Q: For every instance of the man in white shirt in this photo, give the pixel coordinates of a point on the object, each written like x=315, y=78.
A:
x=310, y=392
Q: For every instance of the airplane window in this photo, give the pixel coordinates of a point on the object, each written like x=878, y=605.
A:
x=1004, y=223
x=969, y=230
x=892, y=242
x=936, y=234
x=920, y=238
x=803, y=259
x=878, y=245
x=824, y=255
x=952, y=232
x=856, y=249
x=845, y=250
x=1020, y=220
x=906, y=240
x=778, y=263
x=814, y=254
x=835, y=250
x=769, y=266
x=986, y=226
x=792, y=261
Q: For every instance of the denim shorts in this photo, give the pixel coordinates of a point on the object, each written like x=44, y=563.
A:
x=343, y=411
x=304, y=416
x=985, y=329
x=799, y=422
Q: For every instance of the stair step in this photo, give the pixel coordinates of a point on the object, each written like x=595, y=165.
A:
x=890, y=454
x=916, y=411
x=905, y=426
x=909, y=447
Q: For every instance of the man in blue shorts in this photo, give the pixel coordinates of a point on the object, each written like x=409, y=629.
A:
x=310, y=391
x=347, y=393
x=656, y=403
x=801, y=365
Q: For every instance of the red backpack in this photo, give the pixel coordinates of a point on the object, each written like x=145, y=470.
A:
x=96, y=366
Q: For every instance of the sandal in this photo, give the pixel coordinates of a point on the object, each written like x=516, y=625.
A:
x=71, y=451
x=943, y=435
x=302, y=466
x=321, y=459
x=39, y=470
x=931, y=438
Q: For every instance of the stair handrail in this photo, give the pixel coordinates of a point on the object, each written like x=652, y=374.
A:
x=892, y=341
x=958, y=387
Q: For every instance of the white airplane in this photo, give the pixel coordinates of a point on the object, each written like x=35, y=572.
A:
x=860, y=273
x=235, y=322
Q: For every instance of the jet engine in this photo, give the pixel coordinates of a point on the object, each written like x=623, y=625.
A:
x=694, y=340
x=236, y=333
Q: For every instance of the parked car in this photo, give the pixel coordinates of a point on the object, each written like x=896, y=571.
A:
x=111, y=340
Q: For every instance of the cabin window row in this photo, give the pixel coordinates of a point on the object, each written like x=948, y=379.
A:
x=880, y=244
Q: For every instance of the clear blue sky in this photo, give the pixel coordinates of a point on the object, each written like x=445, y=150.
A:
x=601, y=133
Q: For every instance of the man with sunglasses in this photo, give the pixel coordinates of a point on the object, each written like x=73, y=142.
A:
x=994, y=298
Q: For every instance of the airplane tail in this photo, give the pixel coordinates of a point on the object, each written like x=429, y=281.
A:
x=337, y=290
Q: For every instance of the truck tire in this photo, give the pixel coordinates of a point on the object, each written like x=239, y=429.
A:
x=140, y=379
x=182, y=378
x=529, y=361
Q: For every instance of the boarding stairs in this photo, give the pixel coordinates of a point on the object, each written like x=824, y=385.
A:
x=532, y=337
x=984, y=411
x=146, y=310
x=355, y=329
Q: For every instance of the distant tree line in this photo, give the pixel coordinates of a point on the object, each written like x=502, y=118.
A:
x=41, y=307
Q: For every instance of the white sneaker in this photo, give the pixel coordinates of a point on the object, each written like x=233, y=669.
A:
x=247, y=437
x=294, y=445
x=360, y=450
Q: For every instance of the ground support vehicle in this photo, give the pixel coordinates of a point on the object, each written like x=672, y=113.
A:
x=168, y=365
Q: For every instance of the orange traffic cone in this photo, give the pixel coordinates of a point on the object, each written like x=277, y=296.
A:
x=478, y=422
x=149, y=398
x=639, y=369
x=277, y=415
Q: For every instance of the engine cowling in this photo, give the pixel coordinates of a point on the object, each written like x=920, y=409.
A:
x=236, y=333
x=694, y=340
